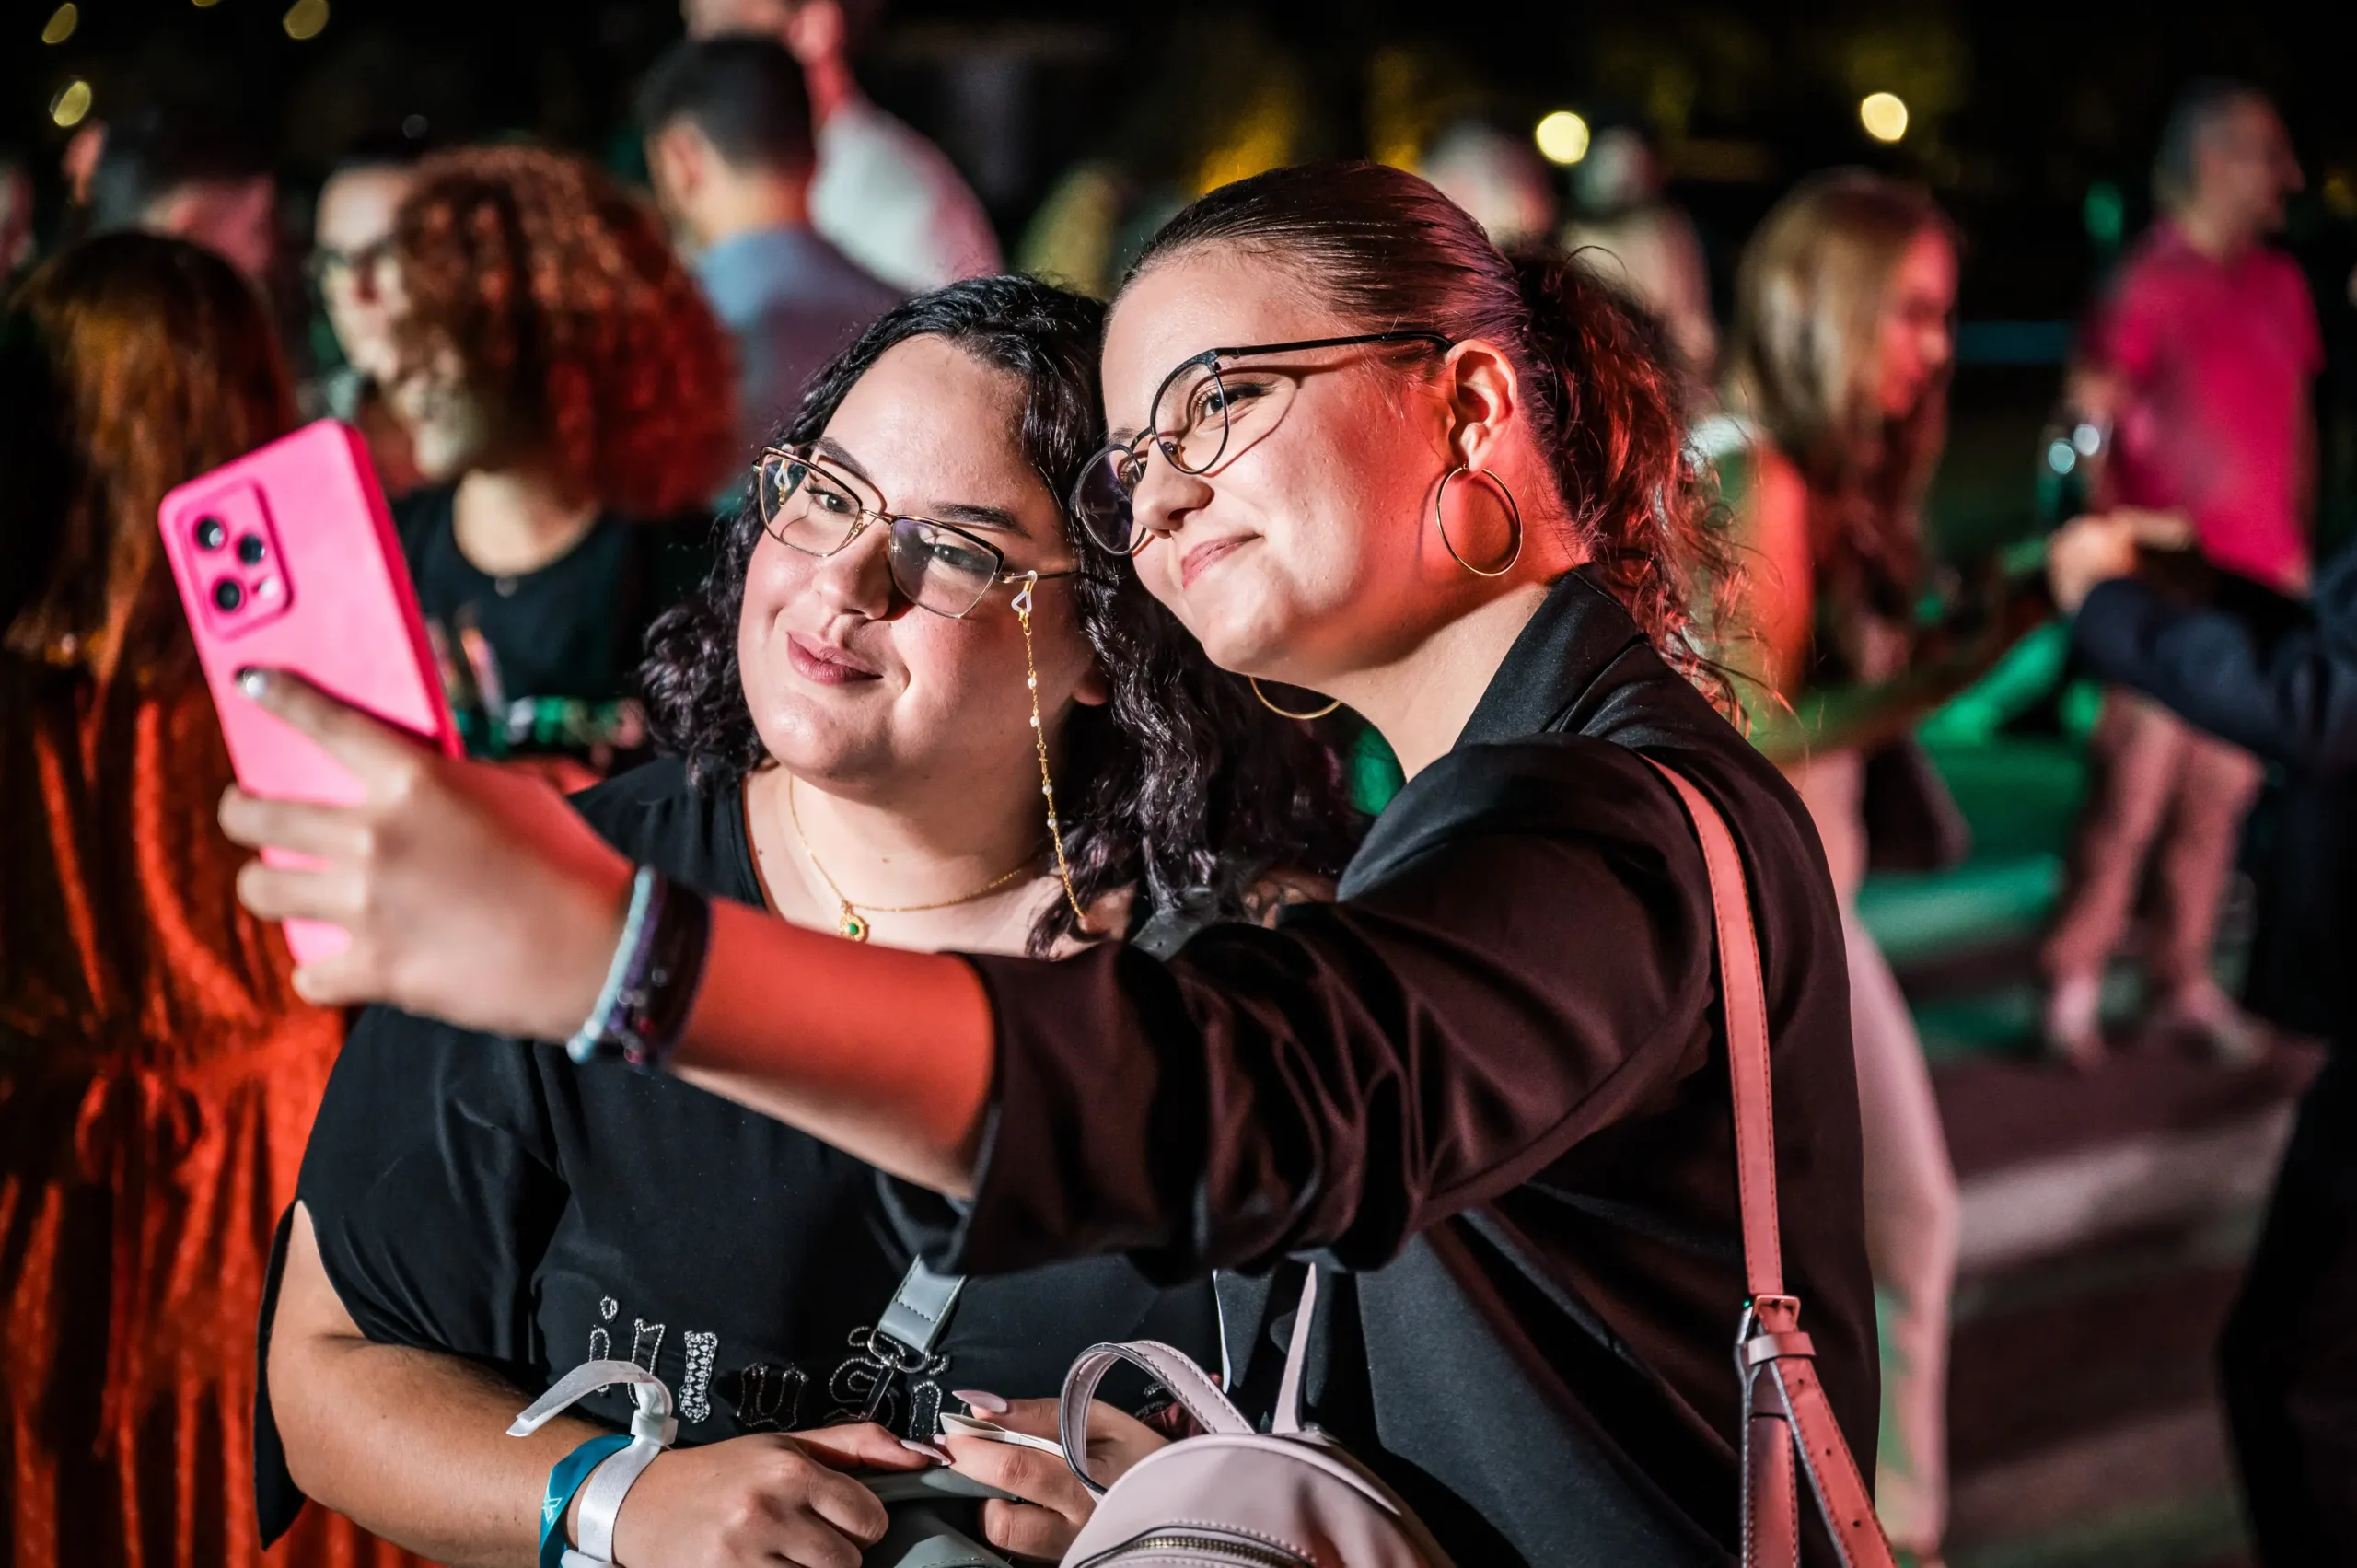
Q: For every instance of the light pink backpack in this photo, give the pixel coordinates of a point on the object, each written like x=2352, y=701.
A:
x=1291, y=1498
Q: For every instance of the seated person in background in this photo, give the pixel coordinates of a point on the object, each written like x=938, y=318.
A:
x=2280, y=679
x=568, y=398
x=728, y=126
x=849, y=699
x=886, y=196
x=352, y=229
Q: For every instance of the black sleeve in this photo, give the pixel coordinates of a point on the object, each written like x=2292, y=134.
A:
x=433, y=1189
x=2261, y=674
x=432, y=1183
x=1512, y=985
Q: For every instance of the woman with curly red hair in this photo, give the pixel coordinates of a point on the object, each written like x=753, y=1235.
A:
x=568, y=394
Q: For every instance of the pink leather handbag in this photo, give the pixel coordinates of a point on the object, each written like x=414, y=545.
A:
x=1292, y=1498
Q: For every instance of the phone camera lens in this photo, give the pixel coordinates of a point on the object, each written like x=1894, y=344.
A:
x=211, y=532
x=250, y=550
x=229, y=593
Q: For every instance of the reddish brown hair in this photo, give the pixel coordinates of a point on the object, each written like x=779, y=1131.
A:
x=1387, y=250
x=574, y=321
x=127, y=365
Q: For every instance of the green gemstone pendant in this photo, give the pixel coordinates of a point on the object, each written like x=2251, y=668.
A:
x=849, y=923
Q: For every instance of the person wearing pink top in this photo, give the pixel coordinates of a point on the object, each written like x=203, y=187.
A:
x=2202, y=356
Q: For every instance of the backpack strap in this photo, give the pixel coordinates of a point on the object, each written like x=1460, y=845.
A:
x=1167, y=1365
x=1785, y=1410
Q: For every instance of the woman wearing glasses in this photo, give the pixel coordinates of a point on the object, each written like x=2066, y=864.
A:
x=1488, y=1079
x=898, y=644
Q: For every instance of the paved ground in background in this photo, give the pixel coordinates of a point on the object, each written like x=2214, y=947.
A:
x=2105, y=1223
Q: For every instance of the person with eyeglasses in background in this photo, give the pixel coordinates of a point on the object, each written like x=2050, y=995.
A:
x=351, y=231
x=881, y=193
x=1356, y=450
x=911, y=707
x=728, y=150
x=569, y=400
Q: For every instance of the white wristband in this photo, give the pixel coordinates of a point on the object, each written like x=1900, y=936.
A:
x=601, y=1502
x=653, y=1428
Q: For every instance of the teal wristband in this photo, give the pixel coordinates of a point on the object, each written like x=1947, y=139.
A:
x=564, y=1479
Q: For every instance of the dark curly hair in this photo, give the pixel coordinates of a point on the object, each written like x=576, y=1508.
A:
x=1386, y=249
x=1182, y=780
x=573, y=318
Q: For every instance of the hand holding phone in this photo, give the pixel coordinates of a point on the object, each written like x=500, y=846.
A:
x=286, y=558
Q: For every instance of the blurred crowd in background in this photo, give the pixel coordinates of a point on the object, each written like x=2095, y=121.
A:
x=568, y=275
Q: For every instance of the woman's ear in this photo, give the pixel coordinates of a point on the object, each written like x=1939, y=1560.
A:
x=1095, y=687
x=1484, y=397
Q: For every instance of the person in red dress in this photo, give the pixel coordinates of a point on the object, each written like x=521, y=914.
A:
x=157, y=1072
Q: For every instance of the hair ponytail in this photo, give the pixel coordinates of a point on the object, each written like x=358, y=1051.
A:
x=1386, y=248
x=1615, y=434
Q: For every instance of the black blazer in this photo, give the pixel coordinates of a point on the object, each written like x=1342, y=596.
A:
x=1489, y=1082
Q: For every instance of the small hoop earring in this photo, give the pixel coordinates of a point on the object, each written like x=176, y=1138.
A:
x=1288, y=713
x=1513, y=509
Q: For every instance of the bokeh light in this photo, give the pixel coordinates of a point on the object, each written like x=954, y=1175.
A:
x=62, y=23
x=1883, y=116
x=71, y=102
x=1562, y=137
x=304, y=18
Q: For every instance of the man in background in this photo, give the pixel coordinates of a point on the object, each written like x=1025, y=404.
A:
x=184, y=175
x=881, y=192
x=729, y=151
x=350, y=238
x=2200, y=358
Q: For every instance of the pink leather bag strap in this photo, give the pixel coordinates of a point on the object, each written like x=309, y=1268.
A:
x=1785, y=1410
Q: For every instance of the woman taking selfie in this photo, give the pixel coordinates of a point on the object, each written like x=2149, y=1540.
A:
x=566, y=389
x=157, y=1072
x=1360, y=452
x=854, y=699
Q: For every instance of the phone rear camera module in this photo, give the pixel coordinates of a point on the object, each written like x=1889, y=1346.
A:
x=211, y=533
x=229, y=593
x=250, y=550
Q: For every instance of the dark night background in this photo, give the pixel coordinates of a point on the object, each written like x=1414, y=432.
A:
x=2033, y=124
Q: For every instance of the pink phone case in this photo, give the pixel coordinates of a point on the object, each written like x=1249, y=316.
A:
x=286, y=558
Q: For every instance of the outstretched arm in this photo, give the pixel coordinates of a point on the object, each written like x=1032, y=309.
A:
x=1340, y=1082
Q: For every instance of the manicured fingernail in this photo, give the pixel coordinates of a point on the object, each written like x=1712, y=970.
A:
x=976, y=1399
x=938, y=1456
x=252, y=681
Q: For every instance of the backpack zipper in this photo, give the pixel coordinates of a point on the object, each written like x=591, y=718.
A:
x=1226, y=1549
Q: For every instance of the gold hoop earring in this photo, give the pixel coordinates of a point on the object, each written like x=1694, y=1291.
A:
x=1288, y=713
x=1514, y=510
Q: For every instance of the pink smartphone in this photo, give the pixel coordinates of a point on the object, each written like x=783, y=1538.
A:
x=286, y=558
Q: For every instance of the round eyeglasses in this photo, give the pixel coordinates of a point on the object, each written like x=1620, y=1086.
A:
x=810, y=505
x=1201, y=409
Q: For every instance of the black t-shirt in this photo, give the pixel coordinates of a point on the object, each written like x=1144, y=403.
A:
x=487, y=1197
x=546, y=662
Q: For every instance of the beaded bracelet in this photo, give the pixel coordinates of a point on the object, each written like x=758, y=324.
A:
x=651, y=984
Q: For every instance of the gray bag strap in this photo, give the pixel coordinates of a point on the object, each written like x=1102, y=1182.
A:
x=919, y=1308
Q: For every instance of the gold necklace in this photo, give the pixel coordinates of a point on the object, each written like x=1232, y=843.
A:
x=848, y=921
